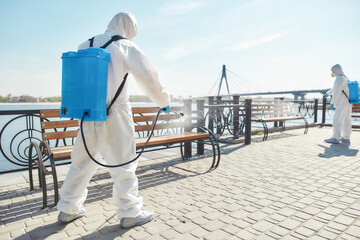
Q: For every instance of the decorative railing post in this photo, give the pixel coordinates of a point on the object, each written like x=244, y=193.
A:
x=248, y=121
x=236, y=116
x=276, y=110
x=187, y=127
x=316, y=103
x=211, y=114
x=218, y=115
x=323, y=110
x=200, y=113
x=281, y=110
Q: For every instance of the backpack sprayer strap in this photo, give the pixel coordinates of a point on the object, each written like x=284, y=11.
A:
x=91, y=41
x=117, y=93
x=346, y=95
x=113, y=38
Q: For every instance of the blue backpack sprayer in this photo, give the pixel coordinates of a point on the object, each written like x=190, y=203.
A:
x=84, y=89
x=353, y=92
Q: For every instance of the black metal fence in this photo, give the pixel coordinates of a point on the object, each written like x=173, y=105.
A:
x=19, y=128
x=233, y=116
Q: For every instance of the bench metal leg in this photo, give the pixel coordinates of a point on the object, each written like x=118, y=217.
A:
x=306, y=125
x=45, y=145
x=41, y=171
x=266, y=129
x=215, y=147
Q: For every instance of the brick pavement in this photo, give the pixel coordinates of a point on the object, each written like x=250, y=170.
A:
x=292, y=186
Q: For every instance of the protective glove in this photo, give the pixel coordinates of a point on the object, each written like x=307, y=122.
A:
x=332, y=107
x=326, y=95
x=166, y=109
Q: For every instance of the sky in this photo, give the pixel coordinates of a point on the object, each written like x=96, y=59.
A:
x=267, y=45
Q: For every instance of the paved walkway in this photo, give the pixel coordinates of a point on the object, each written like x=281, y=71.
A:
x=292, y=186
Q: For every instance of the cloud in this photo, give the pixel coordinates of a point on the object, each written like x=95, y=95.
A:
x=269, y=38
x=181, y=7
x=186, y=49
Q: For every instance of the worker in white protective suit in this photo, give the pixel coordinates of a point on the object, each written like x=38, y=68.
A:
x=340, y=102
x=114, y=140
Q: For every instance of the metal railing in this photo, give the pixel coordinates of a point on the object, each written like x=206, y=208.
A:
x=233, y=117
x=20, y=127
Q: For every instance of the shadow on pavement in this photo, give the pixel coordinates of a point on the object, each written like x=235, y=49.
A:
x=42, y=232
x=26, y=204
x=337, y=150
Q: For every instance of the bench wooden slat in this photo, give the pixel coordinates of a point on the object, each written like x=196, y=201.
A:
x=61, y=152
x=59, y=124
x=173, y=138
x=268, y=113
x=158, y=126
x=356, y=108
x=151, y=118
x=59, y=135
x=278, y=119
x=137, y=110
x=49, y=113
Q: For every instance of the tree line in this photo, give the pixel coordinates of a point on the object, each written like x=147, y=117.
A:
x=26, y=98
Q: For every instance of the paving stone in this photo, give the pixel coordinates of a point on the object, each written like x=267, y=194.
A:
x=199, y=232
x=245, y=235
x=231, y=229
x=214, y=215
x=316, y=237
x=344, y=220
x=257, y=216
x=218, y=234
x=186, y=236
x=262, y=226
x=327, y=234
x=242, y=224
x=213, y=225
x=337, y=226
x=170, y=234
x=305, y=232
x=332, y=211
x=354, y=231
x=311, y=210
x=280, y=231
x=290, y=224
x=140, y=235
x=186, y=227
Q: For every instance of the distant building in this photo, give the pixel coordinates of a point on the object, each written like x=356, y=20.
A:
x=25, y=98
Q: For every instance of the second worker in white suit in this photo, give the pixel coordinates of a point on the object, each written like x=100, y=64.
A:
x=114, y=140
x=340, y=101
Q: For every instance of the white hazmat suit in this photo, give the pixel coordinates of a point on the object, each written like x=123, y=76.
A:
x=342, y=116
x=113, y=140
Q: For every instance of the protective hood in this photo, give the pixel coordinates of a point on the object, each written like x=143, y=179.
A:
x=337, y=69
x=123, y=24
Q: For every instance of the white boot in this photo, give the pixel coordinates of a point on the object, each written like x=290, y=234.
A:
x=142, y=218
x=64, y=217
x=332, y=140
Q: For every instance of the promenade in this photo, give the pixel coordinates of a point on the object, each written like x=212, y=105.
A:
x=292, y=186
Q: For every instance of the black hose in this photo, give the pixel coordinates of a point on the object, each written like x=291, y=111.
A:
x=122, y=164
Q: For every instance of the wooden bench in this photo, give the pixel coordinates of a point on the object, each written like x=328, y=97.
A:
x=170, y=132
x=276, y=112
x=356, y=110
